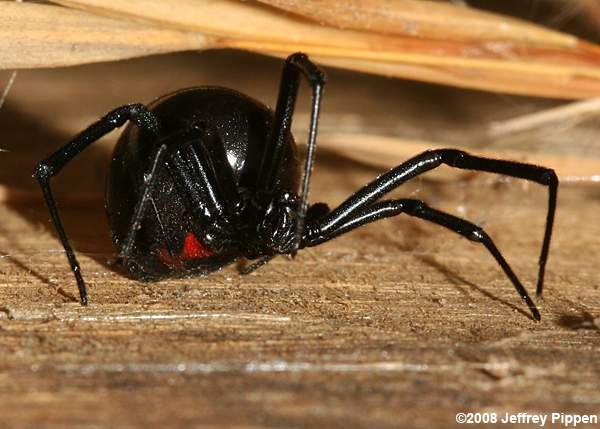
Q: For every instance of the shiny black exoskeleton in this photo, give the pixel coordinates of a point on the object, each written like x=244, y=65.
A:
x=207, y=175
x=205, y=201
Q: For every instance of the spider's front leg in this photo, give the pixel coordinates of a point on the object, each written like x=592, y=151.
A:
x=51, y=166
x=419, y=209
x=454, y=158
x=295, y=65
x=362, y=207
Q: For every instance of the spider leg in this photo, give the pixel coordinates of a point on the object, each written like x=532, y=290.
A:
x=419, y=209
x=163, y=232
x=458, y=159
x=193, y=174
x=223, y=177
x=140, y=208
x=250, y=268
x=203, y=174
x=295, y=65
x=52, y=165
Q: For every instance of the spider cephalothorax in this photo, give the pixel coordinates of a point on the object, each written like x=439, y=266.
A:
x=207, y=175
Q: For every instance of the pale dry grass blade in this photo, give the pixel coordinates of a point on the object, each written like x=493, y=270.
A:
x=576, y=111
x=38, y=35
x=534, y=62
x=515, y=78
x=7, y=87
x=424, y=19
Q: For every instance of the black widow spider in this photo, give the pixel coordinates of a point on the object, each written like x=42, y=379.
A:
x=208, y=175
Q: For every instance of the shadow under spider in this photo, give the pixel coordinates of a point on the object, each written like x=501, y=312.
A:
x=458, y=280
x=581, y=321
x=17, y=263
x=576, y=322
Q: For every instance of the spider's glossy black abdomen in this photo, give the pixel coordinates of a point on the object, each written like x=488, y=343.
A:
x=243, y=126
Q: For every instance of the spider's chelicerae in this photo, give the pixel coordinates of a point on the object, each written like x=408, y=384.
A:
x=204, y=176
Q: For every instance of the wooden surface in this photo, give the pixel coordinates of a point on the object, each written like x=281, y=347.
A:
x=399, y=324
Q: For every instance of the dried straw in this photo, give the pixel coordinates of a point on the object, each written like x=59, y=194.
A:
x=423, y=40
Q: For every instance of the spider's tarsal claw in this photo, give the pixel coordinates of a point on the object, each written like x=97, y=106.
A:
x=535, y=313
x=83, y=298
